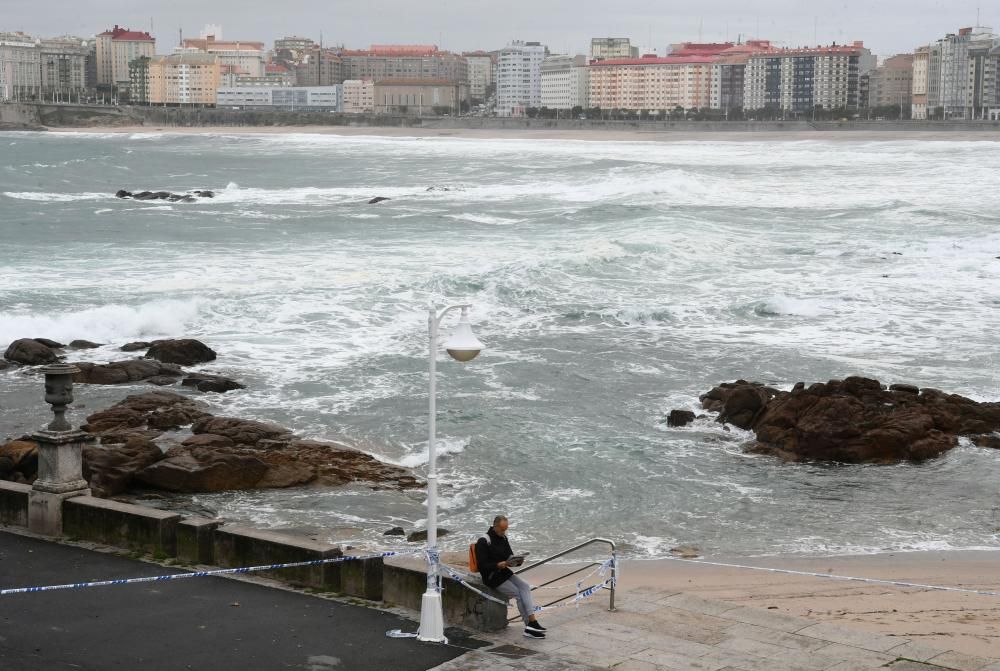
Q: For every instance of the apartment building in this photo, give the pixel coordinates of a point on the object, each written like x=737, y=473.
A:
x=388, y=61
x=318, y=66
x=919, y=76
x=565, y=82
x=118, y=47
x=798, y=80
x=651, y=83
x=186, y=78
x=359, y=96
x=64, y=65
x=891, y=83
x=480, y=66
x=244, y=57
x=519, y=77
x=20, y=74
x=603, y=48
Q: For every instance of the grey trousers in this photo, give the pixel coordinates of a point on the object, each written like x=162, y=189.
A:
x=515, y=588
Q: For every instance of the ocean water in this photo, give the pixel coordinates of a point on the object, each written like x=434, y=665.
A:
x=611, y=281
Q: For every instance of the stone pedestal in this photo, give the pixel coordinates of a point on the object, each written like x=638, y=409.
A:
x=60, y=477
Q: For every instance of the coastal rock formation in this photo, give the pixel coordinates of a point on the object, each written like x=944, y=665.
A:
x=120, y=372
x=19, y=461
x=31, y=352
x=111, y=470
x=84, y=344
x=855, y=420
x=378, y=199
x=243, y=431
x=680, y=418
x=203, y=470
x=50, y=343
x=206, y=382
x=135, y=346
x=183, y=351
x=146, y=415
x=191, y=197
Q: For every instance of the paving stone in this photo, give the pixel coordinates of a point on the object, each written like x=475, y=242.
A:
x=852, y=637
x=600, y=626
x=907, y=665
x=681, y=662
x=691, y=618
x=766, y=635
x=959, y=661
x=673, y=644
x=804, y=658
x=849, y=653
x=636, y=665
x=697, y=605
x=918, y=652
x=768, y=618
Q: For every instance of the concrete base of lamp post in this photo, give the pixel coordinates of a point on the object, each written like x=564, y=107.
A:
x=60, y=477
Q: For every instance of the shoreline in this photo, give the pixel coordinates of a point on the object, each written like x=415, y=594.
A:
x=595, y=135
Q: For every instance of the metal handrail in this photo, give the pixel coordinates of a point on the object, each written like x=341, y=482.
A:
x=592, y=541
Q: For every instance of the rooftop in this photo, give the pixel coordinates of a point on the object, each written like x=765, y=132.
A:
x=650, y=59
x=401, y=81
x=210, y=43
x=124, y=34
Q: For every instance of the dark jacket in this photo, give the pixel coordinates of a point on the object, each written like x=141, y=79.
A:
x=488, y=555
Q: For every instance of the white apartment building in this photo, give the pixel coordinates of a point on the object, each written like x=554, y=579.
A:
x=921, y=71
x=328, y=98
x=952, y=71
x=798, y=80
x=480, y=73
x=565, y=82
x=242, y=57
x=359, y=96
x=118, y=47
x=519, y=77
x=20, y=71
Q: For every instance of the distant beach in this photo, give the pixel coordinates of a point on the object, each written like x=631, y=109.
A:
x=596, y=135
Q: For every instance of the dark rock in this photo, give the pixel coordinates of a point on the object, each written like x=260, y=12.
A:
x=336, y=465
x=144, y=195
x=30, y=352
x=241, y=431
x=161, y=195
x=378, y=199
x=154, y=409
x=211, y=383
x=203, y=470
x=111, y=470
x=50, y=343
x=135, y=346
x=421, y=536
x=208, y=440
x=84, y=344
x=906, y=388
x=738, y=403
x=395, y=531
x=120, y=372
x=991, y=441
x=4, y=364
x=19, y=457
x=122, y=193
x=188, y=199
x=205, y=194
x=185, y=352
x=162, y=380
x=680, y=418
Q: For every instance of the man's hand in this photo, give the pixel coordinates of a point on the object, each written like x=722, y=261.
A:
x=501, y=564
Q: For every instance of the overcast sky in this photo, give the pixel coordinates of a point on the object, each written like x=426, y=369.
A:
x=886, y=26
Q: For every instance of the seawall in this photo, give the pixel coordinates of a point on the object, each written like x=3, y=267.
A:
x=33, y=115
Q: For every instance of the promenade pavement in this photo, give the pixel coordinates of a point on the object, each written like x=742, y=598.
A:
x=203, y=623
x=656, y=630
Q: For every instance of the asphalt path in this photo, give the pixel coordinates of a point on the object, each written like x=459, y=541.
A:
x=200, y=623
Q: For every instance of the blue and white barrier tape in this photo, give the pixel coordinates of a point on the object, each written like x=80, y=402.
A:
x=202, y=574
x=457, y=577
x=833, y=576
x=601, y=570
x=580, y=596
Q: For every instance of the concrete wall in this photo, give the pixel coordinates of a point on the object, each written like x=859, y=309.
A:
x=14, y=503
x=122, y=525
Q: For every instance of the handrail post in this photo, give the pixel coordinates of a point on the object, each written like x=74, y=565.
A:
x=614, y=577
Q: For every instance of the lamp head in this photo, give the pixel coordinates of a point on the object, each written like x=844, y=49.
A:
x=463, y=345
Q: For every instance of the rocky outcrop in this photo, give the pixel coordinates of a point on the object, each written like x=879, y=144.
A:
x=206, y=382
x=184, y=352
x=121, y=372
x=855, y=420
x=144, y=415
x=135, y=346
x=19, y=461
x=243, y=431
x=378, y=199
x=190, y=197
x=31, y=352
x=203, y=470
x=680, y=418
x=111, y=470
x=84, y=344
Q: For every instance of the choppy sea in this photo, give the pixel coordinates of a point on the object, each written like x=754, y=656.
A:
x=611, y=282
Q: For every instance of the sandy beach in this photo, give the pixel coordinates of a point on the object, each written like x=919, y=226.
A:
x=629, y=135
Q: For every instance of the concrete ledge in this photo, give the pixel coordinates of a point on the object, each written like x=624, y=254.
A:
x=14, y=503
x=120, y=524
x=195, y=540
x=404, y=582
x=241, y=546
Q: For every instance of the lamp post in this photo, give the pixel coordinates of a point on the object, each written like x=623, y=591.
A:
x=463, y=346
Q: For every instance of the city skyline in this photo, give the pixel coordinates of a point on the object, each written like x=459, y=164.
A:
x=892, y=27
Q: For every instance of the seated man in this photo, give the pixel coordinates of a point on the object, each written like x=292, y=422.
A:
x=492, y=555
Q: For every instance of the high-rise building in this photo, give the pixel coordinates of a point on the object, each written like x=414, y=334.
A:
x=186, y=78
x=602, y=48
x=63, y=63
x=728, y=70
x=565, y=82
x=359, y=96
x=798, y=81
x=118, y=47
x=956, y=87
x=651, y=83
x=982, y=97
x=891, y=83
x=319, y=67
x=242, y=57
x=480, y=65
x=918, y=102
x=419, y=61
x=519, y=77
x=20, y=74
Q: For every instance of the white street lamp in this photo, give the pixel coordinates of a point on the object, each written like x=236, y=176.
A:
x=463, y=346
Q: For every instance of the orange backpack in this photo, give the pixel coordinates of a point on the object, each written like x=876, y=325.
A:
x=473, y=562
